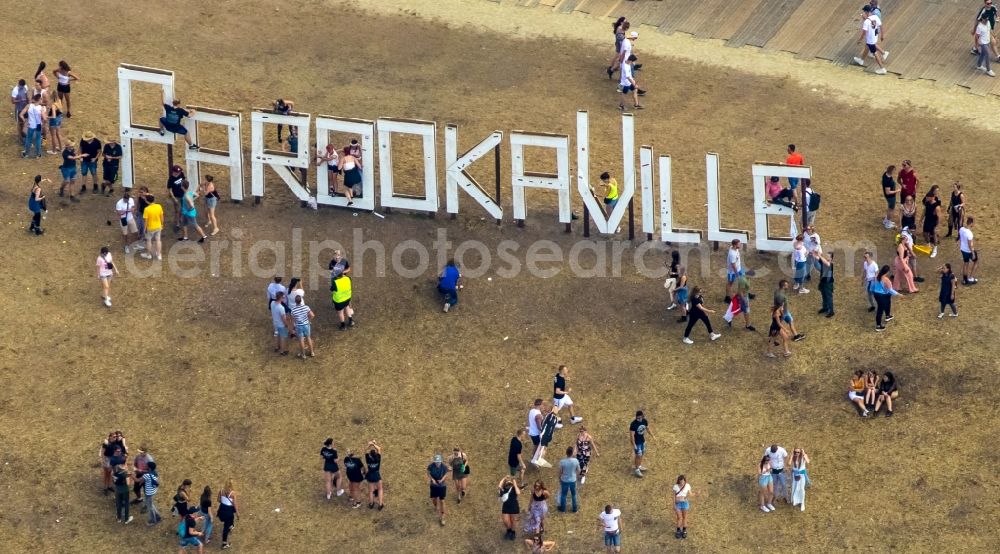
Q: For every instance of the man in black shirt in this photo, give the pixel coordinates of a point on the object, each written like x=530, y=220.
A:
x=437, y=478
x=638, y=431
x=283, y=107
x=515, y=462
x=171, y=121
x=560, y=393
x=355, y=470
x=175, y=184
x=549, y=425
x=90, y=148
x=112, y=157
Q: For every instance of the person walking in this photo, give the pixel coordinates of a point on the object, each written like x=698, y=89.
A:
x=189, y=213
x=54, y=120
x=189, y=533
x=569, y=472
x=331, y=471
x=509, y=507
x=515, y=459
x=777, y=334
x=460, y=471
x=181, y=499
x=931, y=218
x=111, y=156
x=698, y=312
x=870, y=269
x=984, y=38
x=90, y=149
x=36, y=205
x=34, y=116
x=354, y=467
x=437, y=478
x=638, y=430
x=765, y=485
x=776, y=456
x=781, y=299
x=205, y=507
x=743, y=297
x=611, y=524
x=538, y=508
x=890, y=191
x=448, y=284
x=871, y=25
x=956, y=209
x=883, y=291
x=173, y=116
x=338, y=265
x=990, y=11
x=122, y=481
x=970, y=257
x=800, y=478
x=949, y=287
x=373, y=459
x=628, y=84
x=341, y=296
x=211, y=194
x=560, y=394
x=826, y=282
x=734, y=268
x=105, y=271
x=153, y=221
x=682, y=493
x=302, y=315
x=125, y=208
x=228, y=512
x=585, y=448
x=151, y=485
x=618, y=28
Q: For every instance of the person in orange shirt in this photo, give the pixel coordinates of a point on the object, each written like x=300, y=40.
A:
x=794, y=158
x=153, y=218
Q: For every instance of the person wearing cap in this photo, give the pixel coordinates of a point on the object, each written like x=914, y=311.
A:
x=90, y=149
x=871, y=25
x=112, y=155
x=171, y=120
x=283, y=107
x=175, y=185
x=437, y=478
x=990, y=11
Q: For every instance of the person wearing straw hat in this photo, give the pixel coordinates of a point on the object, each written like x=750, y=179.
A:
x=112, y=154
x=90, y=149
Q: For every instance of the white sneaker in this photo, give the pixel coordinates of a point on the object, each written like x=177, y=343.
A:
x=715, y=336
x=952, y=315
x=771, y=507
x=575, y=420
x=643, y=468
x=340, y=492
x=941, y=315
x=329, y=496
x=764, y=509
x=559, y=425
x=672, y=306
x=859, y=61
x=447, y=307
x=127, y=250
x=934, y=252
x=885, y=55
x=145, y=256
x=638, y=473
x=803, y=290
x=543, y=463
x=138, y=246
x=991, y=74
x=981, y=67
x=881, y=71
x=795, y=286
x=583, y=479
x=159, y=257
x=107, y=301
x=129, y=520
x=688, y=341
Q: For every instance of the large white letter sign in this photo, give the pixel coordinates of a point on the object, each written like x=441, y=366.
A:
x=127, y=74
x=609, y=224
x=646, y=182
x=761, y=171
x=558, y=181
x=669, y=233
x=278, y=160
x=426, y=129
x=232, y=157
x=715, y=230
x=456, y=176
x=326, y=124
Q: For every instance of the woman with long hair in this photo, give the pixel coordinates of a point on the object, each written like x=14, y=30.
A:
x=509, y=507
x=931, y=218
x=207, y=189
x=883, y=291
x=618, y=29
x=538, y=507
x=228, y=511
x=205, y=505
x=373, y=459
x=460, y=471
x=352, y=174
x=903, y=270
x=55, y=128
x=331, y=158
x=682, y=491
x=64, y=77
x=888, y=390
x=908, y=214
x=765, y=485
x=331, y=471
x=800, y=257
x=585, y=447
x=890, y=191
x=949, y=286
x=699, y=312
x=105, y=271
x=682, y=293
x=40, y=77
x=778, y=334
x=956, y=209
x=800, y=478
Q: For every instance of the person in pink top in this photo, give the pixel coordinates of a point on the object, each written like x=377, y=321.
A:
x=902, y=271
x=105, y=271
x=777, y=194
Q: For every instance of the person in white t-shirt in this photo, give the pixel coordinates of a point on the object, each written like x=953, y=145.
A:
x=628, y=84
x=983, y=39
x=970, y=258
x=105, y=271
x=871, y=25
x=800, y=259
x=870, y=267
x=682, y=490
x=611, y=523
x=734, y=268
x=272, y=291
x=125, y=208
x=776, y=456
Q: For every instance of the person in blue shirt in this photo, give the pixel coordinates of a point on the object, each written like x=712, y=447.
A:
x=882, y=289
x=448, y=284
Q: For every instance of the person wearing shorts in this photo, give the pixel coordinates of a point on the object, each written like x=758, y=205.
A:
x=970, y=257
x=192, y=536
x=628, y=84
x=301, y=315
x=354, y=467
x=189, y=213
x=175, y=186
x=373, y=458
x=153, y=220
x=682, y=489
x=515, y=461
x=341, y=296
x=638, y=430
x=90, y=149
x=560, y=394
x=125, y=208
x=171, y=121
x=611, y=521
x=112, y=155
x=535, y=421
x=734, y=268
x=281, y=320
x=871, y=26
x=437, y=478
x=68, y=170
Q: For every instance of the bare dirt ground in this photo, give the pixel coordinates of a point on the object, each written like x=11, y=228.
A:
x=184, y=365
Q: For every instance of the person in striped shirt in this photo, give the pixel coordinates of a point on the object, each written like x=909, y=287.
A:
x=302, y=315
x=151, y=483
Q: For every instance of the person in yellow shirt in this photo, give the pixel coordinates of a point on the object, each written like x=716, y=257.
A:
x=611, y=191
x=152, y=216
x=341, y=289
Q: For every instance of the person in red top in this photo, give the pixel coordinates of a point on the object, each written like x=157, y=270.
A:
x=794, y=158
x=908, y=179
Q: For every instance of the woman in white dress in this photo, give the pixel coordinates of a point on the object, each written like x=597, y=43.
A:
x=800, y=479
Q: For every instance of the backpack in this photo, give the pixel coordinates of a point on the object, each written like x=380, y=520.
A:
x=814, y=200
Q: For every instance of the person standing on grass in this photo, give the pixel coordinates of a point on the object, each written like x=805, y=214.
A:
x=112, y=155
x=569, y=471
x=628, y=84
x=515, y=459
x=637, y=431
x=354, y=467
x=211, y=194
x=949, y=287
x=743, y=297
x=122, y=482
x=189, y=213
x=826, y=280
x=870, y=269
x=931, y=218
x=956, y=209
x=437, y=478
x=891, y=192
x=34, y=116
x=699, y=312
x=734, y=268
x=871, y=25
x=173, y=116
x=776, y=456
x=228, y=512
x=781, y=299
x=460, y=470
x=903, y=272
x=125, y=208
x=682, y=492
x=883, y=291
x=448, y=284
x=585, y=447
x=55, y=117
x=205, y=506
x=64, y=78
x=341, y=289
x=19, y=99
x=508, y=490
x=535, y=419
x=283, y=107
x=560, y=394
x=153, y=221
x=765, y=486
x=800, y=478
x=611, y=524
x=151, y=484
x=338, y=265
x=970, y=258
x=140, y=465
x=983, y=38
x=105, y=271
x=331, y=471
x=549, y=425
x=373, y=459
x=36, y=205
x=302, y=316
x=777, y=334
x=68, y=170
x=538, y=508
x=908, y=180
x=175, y=186
x=90, y=149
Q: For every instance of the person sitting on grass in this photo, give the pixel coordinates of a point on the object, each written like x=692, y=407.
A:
x=888, y=390
x=856, y=392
